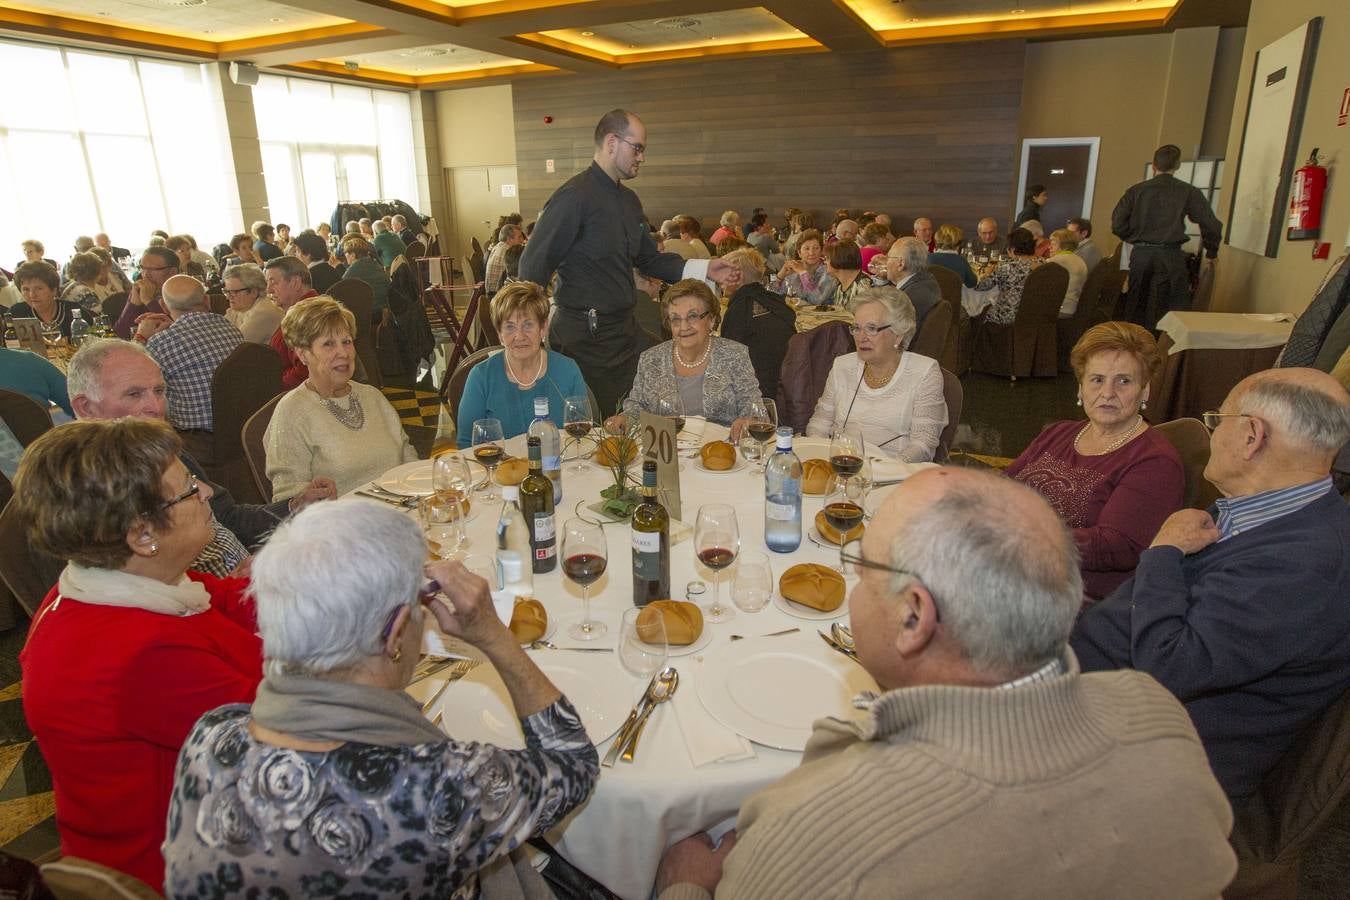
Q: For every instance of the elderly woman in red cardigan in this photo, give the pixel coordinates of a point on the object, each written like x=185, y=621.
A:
x=129, y=649
x=1112, y=478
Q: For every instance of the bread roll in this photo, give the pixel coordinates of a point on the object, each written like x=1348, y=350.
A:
x=684, y=622
x=816, y=476
x=529, y=621
x=607, y=454
x=512, y=471
x=816, y=586
x=718, y=456
x=831, y=534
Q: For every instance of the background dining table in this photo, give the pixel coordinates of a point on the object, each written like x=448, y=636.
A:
x=1206, y=353
x=690, y=773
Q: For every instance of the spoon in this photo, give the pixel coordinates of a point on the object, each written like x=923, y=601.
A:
x=844, y=636
x=541, y=644
x=663, y=690
x=835, y=645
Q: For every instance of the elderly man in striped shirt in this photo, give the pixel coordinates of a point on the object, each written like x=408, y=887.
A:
x=1243, y=612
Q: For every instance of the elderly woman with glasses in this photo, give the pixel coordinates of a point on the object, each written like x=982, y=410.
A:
x=896, y=396
x=1112, y=479
x=333, y=782
x=253, y=312
x=129, y=649
x=505, y=385
x=38, y=283
x=696, y=373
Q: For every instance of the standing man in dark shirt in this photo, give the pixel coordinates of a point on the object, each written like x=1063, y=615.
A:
x=1151, y=218
x=593, y=233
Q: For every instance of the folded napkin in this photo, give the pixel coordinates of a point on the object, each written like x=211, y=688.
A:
x=894, y=470
x=1271, y=317
x=707, y=740
x=693, y=429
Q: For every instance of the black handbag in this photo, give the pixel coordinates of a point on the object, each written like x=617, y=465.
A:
x=567, y=881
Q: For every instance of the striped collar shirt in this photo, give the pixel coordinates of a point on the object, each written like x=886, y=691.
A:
x=1053, y=669
x=1239, y=514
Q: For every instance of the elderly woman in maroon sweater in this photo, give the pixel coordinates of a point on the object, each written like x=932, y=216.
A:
x=1112, y=479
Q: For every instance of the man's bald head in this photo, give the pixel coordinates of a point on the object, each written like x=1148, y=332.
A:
x=847, y=230
x=997, y=561
x=183, y=293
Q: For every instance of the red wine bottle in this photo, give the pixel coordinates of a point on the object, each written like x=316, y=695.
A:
x=651, y=543
x=536, y=503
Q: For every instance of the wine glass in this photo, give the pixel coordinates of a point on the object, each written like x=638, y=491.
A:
x=488, y=449
x=763, y=416
x=752, y=583
x=846, y=450
x=717, y=541
x=583, y=560
x=578, y=420
x=671, y=407
x=450, y=476
x=843, y=508
x=643, y=651
x=442, y=518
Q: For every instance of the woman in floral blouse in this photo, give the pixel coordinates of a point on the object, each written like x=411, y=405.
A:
x=1010, y=277
x=333, y=783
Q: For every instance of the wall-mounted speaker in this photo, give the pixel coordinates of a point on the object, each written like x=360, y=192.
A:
x=244, y=73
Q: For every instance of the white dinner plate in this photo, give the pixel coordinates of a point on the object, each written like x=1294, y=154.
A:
x=704, y=640
x=811, y=448
x=414, y=478
x=808, y=613
x=769, y=691
x=478, y=708
x=739, y=466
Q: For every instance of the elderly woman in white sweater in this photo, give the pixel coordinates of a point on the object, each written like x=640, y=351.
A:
x=330, y=425
x=896, y=396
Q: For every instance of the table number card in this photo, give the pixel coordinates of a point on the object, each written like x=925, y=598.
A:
x=658, y=439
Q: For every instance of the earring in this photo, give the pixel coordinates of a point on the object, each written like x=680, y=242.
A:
x=1143, y=404
x=1079, y=401
x=154, y=549
x=396, y=655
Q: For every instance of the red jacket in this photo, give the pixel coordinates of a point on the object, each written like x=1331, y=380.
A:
x=293, y=371
x=111, y=693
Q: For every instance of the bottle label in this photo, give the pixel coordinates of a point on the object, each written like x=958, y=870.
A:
x=646, y=541
x=544, y=536
x=779, y=512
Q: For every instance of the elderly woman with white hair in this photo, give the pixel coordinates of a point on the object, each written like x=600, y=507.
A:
x=333, y=776
x=254, y=313
x=896, y=396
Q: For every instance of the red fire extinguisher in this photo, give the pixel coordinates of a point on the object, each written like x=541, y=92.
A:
x=1305, y=203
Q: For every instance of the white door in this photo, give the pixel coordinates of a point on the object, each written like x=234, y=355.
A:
x=479, y=195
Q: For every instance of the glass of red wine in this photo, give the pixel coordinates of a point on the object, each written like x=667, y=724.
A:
x=846, y=450
x=845, y=496
x=578, y=420
x=488, y=448
x=584, y=558
x=763, y=424
x=717, y=541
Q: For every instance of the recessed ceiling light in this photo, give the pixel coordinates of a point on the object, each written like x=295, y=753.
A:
x=181, y=3
x=275, y=19
x=676, y=22
x=588, y=34
x=914, y=19
x=103, y=14
x=1018, y=12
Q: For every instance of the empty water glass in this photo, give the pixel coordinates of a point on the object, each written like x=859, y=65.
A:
x=752, y=584
x=442, y=517
x=643, y=650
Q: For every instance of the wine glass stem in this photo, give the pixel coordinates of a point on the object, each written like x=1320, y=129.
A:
x=717, y=594
x=586, y=608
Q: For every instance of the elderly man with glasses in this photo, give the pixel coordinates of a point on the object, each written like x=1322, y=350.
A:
x=158, y=265
x=989, y=763
x=1240, y=611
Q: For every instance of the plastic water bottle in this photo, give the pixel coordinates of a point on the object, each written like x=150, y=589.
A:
x=783, y=496
x=550, y=446
x=514, y=573
x=79, y=329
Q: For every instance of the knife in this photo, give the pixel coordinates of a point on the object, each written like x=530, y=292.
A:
x=613, y=755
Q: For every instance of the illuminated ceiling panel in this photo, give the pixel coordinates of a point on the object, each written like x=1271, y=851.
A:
x=212, y=20
x=436, y=59
x=921, y=20
x=704, y=32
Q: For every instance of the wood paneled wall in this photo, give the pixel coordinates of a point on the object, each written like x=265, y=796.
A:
x=917, y=131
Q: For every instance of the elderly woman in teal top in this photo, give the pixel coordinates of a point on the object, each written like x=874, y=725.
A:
x=504, y=385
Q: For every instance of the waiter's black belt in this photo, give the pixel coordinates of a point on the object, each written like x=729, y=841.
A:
x=583, y=312
x=1173, y=246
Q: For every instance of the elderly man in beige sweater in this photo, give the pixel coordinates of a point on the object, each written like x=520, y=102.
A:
x=990, y=766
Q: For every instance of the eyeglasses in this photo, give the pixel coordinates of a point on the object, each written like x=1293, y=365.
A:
x=529, y=326
x=231, y=293
x=869, y=329
x=693, y=319
x=852, y=554
x=156, y=268
x=1213, y=417
x=193, y=490
x=639, y=149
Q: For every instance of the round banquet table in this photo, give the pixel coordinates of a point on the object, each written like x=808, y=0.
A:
x=638, y=809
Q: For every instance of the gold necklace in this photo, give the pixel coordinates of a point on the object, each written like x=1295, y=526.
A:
x=1117, y=444
x=876, y=383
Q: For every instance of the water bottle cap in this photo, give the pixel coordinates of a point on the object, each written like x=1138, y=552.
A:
x=784, y=437
x=511, y=492
x=541, y=406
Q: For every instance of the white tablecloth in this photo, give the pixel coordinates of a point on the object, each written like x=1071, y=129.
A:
x=1224, y=331
x=976, y=302
x=639, y=809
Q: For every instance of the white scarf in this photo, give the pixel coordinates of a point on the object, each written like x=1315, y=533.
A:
x=110, y=587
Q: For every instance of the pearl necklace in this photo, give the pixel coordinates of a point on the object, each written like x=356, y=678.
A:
x=516, y=378
x=1117, y=444
x=694, y=365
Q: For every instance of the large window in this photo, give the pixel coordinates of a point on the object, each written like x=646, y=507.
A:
x=328, y=143
x=94, y=142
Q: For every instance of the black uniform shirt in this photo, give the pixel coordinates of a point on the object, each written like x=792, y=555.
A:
x=1153, y=212
x=593, y=233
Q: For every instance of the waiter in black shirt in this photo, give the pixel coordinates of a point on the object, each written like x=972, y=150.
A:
x=1151, y=218
x=593, y=233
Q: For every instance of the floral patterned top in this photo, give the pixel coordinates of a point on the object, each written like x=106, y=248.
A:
x=249, y=819
x=1010, y=277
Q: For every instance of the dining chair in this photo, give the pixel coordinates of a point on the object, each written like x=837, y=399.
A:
x=112, y=305
x=806, y=367
x=931, y=340
x=27, y=419
x=954, y=395
x=355, y=294
x=1273, y=826
x=1190, y=437
x=1111, y=303
x=1028, y=345
x=73, y=878
x=255, y=453
x=219, y=303
x=1087, y=314
x=28, y=573
x=460, y=376
x=242, y=383
x=415, y=250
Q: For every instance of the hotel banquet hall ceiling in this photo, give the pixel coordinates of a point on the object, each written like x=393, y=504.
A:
x=449, y=43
